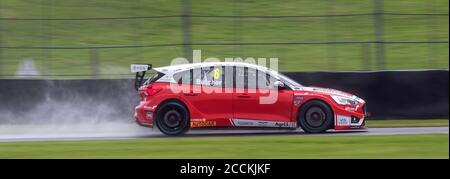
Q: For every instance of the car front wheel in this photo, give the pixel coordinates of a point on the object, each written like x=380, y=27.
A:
x=315, y=117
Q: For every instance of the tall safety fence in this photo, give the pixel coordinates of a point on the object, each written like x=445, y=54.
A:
x=100, y=38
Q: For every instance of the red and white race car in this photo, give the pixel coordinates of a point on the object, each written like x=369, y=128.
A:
x=230, y=94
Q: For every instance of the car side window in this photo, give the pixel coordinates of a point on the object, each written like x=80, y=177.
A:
x=245, y=77
x=251, y=78
x=197, y=76
x=265, y=80
x=209, y=76
x=229, y=81
x=183, y=77
x=239, y=79
x=251, y=82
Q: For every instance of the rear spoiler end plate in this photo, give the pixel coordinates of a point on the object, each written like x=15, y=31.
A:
x=140, y=70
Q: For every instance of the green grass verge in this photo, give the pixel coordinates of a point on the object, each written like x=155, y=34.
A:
x=342, y=57
x=276, y=146
x=408, y=123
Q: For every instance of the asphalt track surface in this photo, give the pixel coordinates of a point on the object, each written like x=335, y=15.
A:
x=81, y=132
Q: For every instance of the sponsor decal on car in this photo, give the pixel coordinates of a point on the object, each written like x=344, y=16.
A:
x=244, y=123
x=282, y=124
x=298, y=100
x=139, y=67
x=198, y=120
x=259, y=123
x=217, y=73
x=203, y=123
x=343, y=120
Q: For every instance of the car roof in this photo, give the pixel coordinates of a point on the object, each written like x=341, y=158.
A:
x=182, y=67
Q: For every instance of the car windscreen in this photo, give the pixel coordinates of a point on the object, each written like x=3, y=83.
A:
x=289, y=81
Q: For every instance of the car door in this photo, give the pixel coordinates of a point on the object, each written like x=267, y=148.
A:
x=252, y=86
x=207, y=95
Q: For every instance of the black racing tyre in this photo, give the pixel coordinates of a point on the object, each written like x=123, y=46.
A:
x=315, y=117
x=172, y=118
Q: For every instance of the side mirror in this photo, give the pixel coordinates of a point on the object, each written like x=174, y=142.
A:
x=278, y=84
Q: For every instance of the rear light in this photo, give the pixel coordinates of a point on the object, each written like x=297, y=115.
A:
x=149, y=91
x=152, y=91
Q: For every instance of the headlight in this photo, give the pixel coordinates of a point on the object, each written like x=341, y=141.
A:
x=344, y=100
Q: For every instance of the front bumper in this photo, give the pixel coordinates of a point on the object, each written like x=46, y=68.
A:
x=347, y=119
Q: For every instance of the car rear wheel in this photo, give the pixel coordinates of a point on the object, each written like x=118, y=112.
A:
x=172, y=118
x=315, y=117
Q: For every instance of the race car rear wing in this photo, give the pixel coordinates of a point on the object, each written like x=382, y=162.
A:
x=140, y=70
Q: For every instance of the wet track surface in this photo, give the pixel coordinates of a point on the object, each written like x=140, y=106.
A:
x=116, y=131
